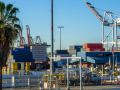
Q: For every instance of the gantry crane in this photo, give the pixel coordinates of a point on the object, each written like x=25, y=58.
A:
x=109, y=19
x=30, y=40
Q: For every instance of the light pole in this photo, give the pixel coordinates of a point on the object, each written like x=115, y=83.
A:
x=60, y=34
x=107, y=41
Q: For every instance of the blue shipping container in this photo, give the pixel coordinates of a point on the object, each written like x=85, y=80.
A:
x=23, y=57
x=61, y=52
x=24, y=60
x=20, y=52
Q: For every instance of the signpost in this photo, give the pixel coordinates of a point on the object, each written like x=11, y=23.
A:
x=45, y=85
x=13, y=81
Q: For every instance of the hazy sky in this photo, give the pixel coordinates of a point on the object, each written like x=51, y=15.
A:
x=80, y=24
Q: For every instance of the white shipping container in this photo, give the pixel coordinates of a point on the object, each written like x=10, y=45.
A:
x=40, y=59
x=39, y=55
x=38, y=47
x=63, y=55
x=71, y=47
x=72, y=51
x=39, y=51
x=73, y=54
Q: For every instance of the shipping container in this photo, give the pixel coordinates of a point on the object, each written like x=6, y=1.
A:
x=82, y=49
x=40, y=59
x=61, y=52
x=39, y=55
x=27, y=47
x=23, y=57
x=20, y=52
x=39, y=51
x=75, y=47
x=95, y=49
x=32, y=66
x=24, y=60
x=58, y=64
x=93, y=45
x=37, y=47
x=84, y=45
x=63, y=55
x=72, y=51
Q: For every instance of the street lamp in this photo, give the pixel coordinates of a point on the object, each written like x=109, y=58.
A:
x=60, y=34
x=107, y=41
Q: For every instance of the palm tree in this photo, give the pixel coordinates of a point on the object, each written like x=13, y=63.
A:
x=9, y=28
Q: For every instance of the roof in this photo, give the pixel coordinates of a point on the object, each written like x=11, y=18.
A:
x=103, y=59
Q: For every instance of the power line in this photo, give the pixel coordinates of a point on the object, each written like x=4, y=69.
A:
x=101, y=9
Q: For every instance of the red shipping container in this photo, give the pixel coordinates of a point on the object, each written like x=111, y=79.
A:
x=32, y=65
x=95, y=49
x=94, y=45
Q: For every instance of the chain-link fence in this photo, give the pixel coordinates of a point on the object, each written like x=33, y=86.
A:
x=58, y=81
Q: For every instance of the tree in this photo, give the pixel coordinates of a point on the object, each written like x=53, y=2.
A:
x=9, y=30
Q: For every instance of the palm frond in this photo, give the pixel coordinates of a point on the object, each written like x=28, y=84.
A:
x=2, y=6
x=15, y=19
x=2, y=9
x=9, y=7
x=17, y=26
x=14, y=11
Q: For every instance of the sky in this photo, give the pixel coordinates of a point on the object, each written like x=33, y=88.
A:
x=80, y=24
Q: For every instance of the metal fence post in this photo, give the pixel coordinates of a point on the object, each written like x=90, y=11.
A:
x=25, y=80
x=116, y=83
x=29, y=83
x=101, y=82
x=22, y=85
x=38, y=81
x=84, y=82
x=14, y=82
x=57, y=82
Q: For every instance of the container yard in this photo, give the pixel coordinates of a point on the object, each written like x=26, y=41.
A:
x=85, y=66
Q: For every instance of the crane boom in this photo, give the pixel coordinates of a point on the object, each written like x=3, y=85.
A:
x=97, y=14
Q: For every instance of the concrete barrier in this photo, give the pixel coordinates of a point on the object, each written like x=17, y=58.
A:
x=9, y=85
x=23, y=81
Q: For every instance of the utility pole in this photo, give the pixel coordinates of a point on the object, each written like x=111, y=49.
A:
x=60, y=34
x=107, y=41
x=51, y=60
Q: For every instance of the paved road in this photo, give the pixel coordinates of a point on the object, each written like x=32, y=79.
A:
x=104, y=87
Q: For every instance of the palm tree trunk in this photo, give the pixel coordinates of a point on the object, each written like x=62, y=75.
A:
x=0, y=79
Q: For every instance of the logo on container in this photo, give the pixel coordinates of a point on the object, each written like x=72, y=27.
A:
x=39, y=55
x=64, y=56
x=60, y=69
x=97, y=50
x=39, y=47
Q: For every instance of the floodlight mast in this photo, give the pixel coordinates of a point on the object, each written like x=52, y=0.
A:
x=60, y=34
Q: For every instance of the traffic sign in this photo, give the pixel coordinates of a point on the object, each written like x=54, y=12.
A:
x=53, y=85
x=45, y=85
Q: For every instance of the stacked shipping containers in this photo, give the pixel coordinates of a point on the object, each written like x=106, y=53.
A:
x=22, y=54
x=74, y=49
x=62, y=53
x=96, y=47
x=39, y=53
